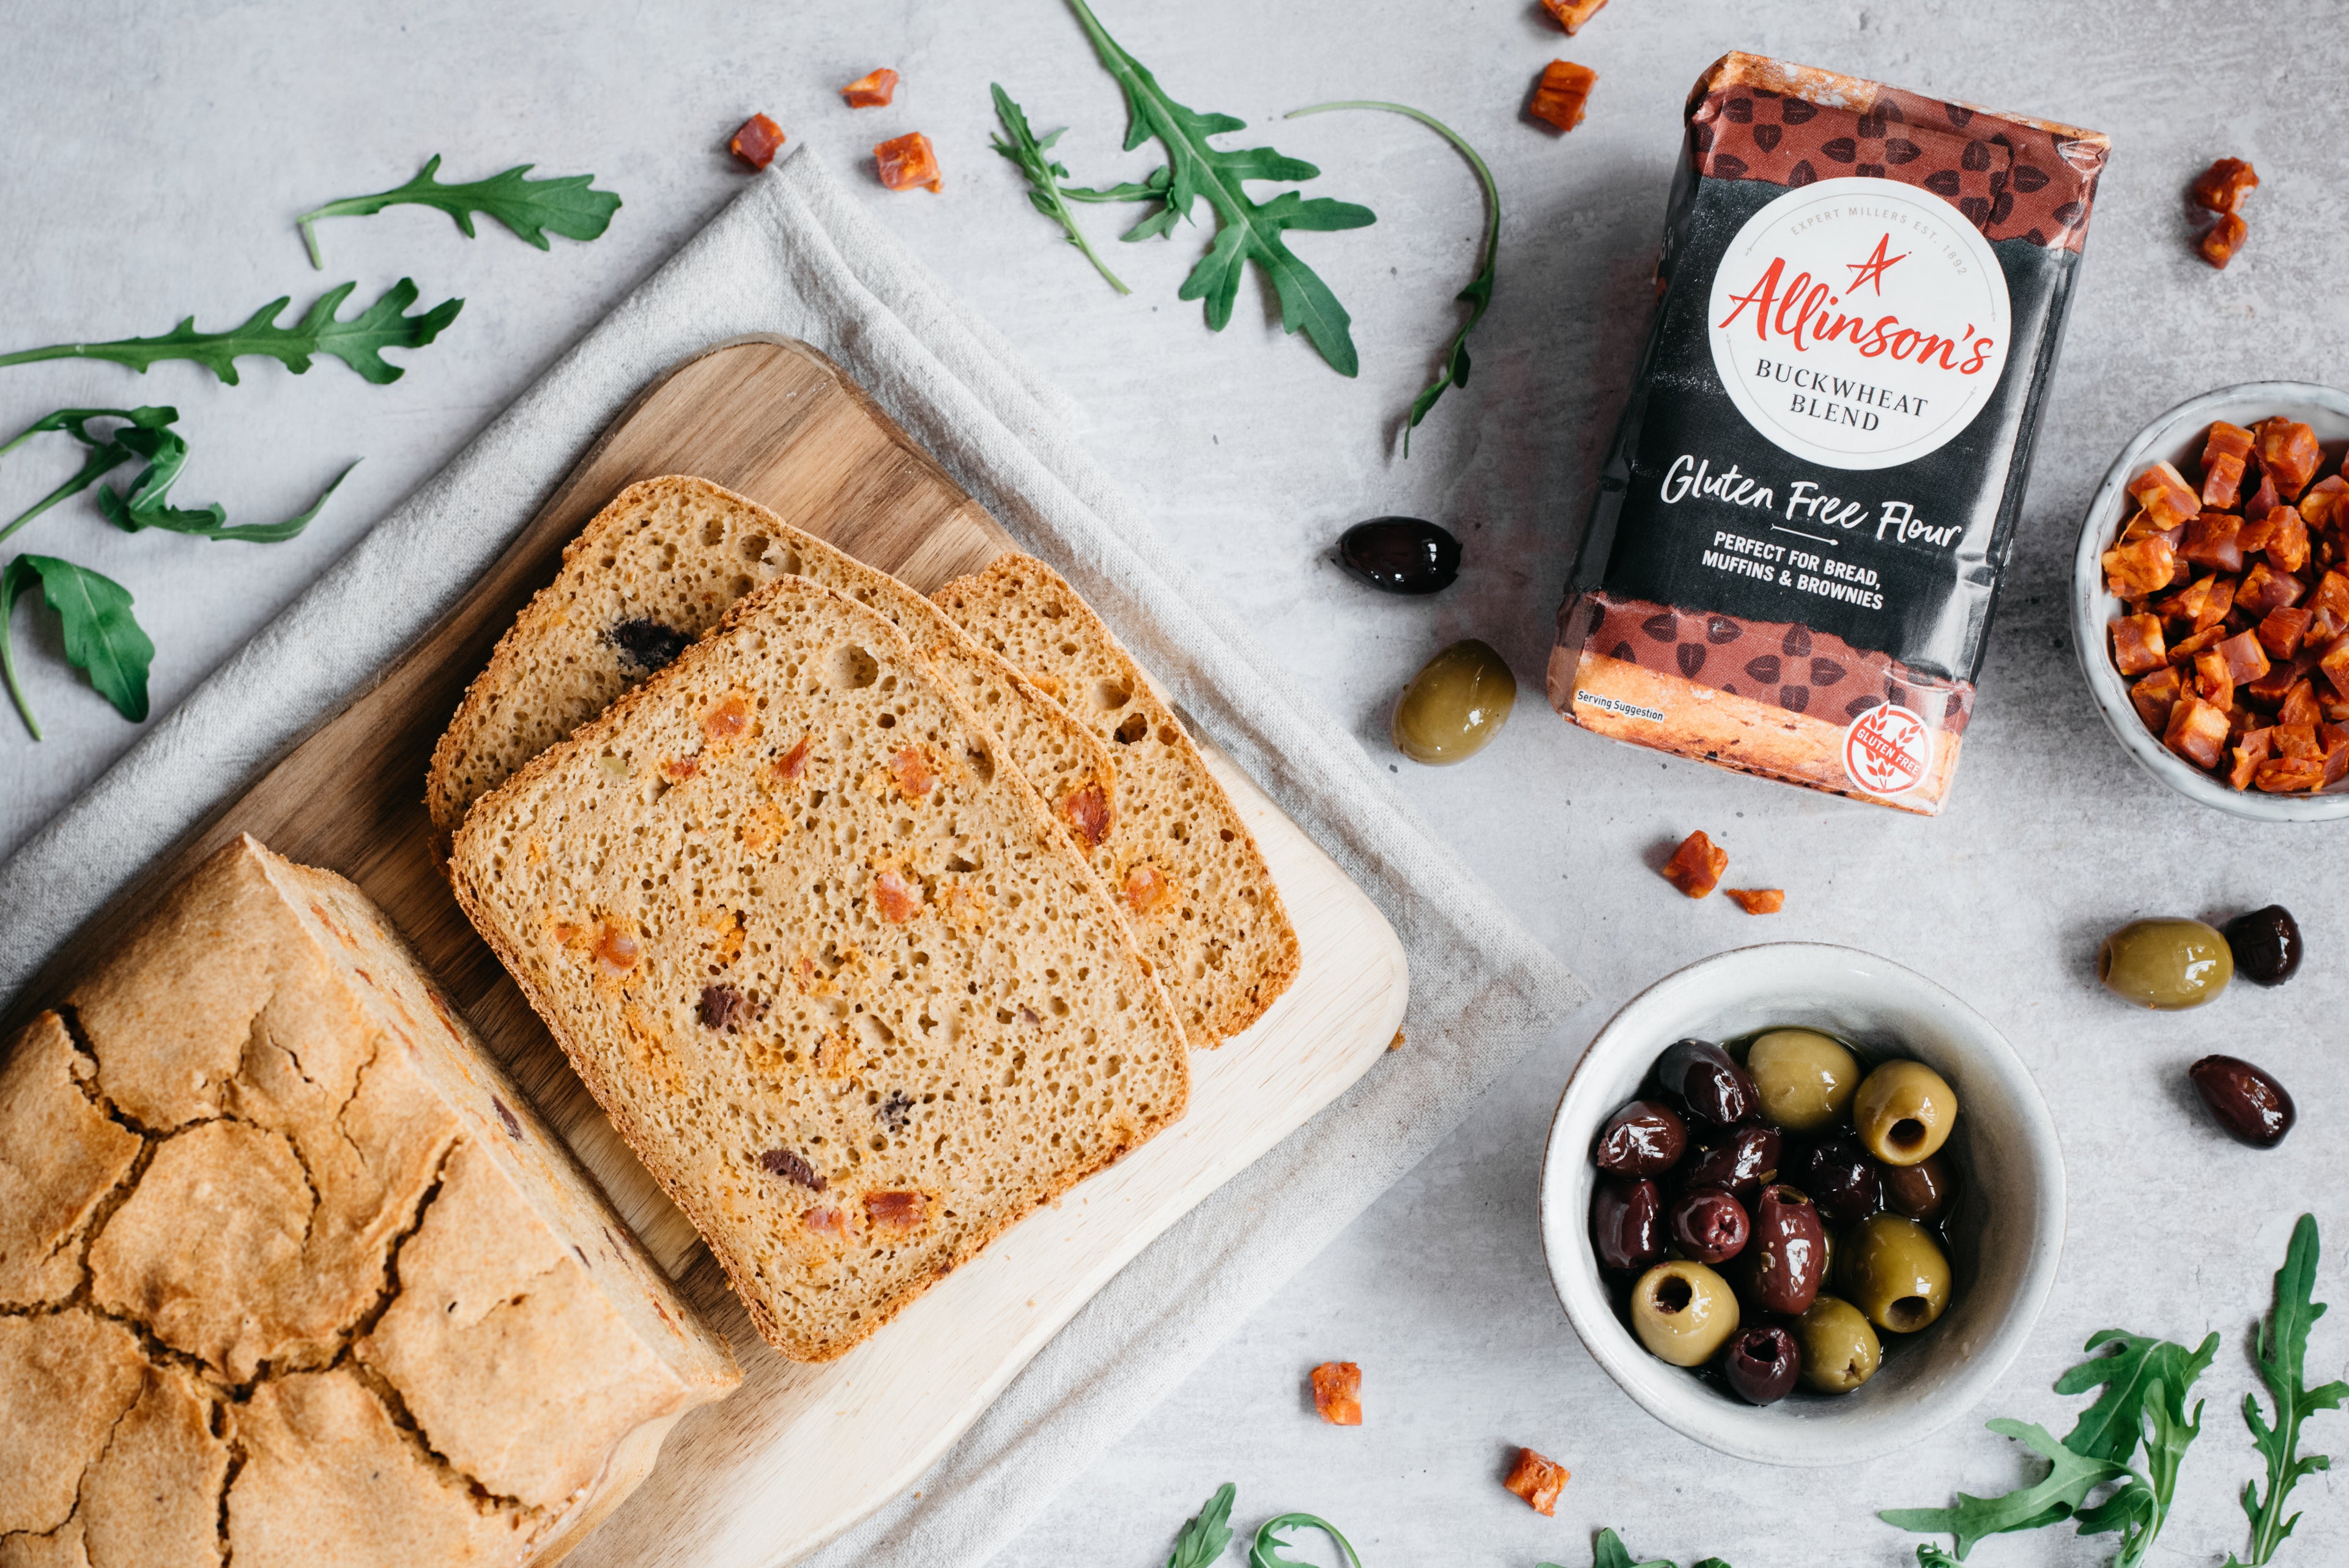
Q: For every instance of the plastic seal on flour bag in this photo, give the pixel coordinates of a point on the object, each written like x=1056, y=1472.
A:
x=1795, y=551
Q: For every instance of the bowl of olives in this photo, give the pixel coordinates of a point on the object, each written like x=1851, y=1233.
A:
x=1802, y=1204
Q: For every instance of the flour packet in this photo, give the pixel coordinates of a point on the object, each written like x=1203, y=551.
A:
x=1795, y=555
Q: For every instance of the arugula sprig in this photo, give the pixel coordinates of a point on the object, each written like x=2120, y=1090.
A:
x=1609, y=1551
x=358, y=343
x=106, y=453
x=1248, y=230
x=528, y=208
x=1033, y=155
x=2283, y=1354
x=101, y=636
x=1205, y=1533
x=1265, y=1551
x=145, y=436
x=1478, y=295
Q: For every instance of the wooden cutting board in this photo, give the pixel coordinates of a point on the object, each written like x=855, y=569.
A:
x=799, y=1453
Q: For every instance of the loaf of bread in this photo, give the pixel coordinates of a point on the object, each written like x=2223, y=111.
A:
x=654, y=570
x=824, y=958
x=1186, y=871
x=290, y=1275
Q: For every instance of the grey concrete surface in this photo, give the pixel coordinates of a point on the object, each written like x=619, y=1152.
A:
x=156, y=155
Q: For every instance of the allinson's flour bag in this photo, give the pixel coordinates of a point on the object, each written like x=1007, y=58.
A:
x=1799, y=533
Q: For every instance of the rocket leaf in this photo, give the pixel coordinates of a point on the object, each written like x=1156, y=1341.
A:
x=101, y=636
x=2054, y=1499
x=1205, y=1533
x=1247, y=231
x=357, y=342
x=1265, y=1552
x=106, y=453
x=2284, y=1366
x=1044, y=173
x=527, y=207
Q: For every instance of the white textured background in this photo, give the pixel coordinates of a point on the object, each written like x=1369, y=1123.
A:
x=155, y=157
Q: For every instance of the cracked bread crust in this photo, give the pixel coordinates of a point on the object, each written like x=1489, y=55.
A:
x=833, y=973
x=674, y=554
x=1187, y=874
x=223, y=1269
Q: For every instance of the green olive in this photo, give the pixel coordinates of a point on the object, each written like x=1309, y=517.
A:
x=1896, y=1272
x=1903, y=1112
x=1454, y=705
x=2166, y=963
x=1683, y=1311
x=1806, y=1079
x=1839, y=1350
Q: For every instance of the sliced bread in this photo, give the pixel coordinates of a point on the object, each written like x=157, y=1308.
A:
x=830, y=966
x=1187, y=874
x=654, y=570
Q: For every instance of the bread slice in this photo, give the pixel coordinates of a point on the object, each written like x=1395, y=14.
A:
x=654, y=570
x=825, y=960
x=290, y=1273
x=1184, y=867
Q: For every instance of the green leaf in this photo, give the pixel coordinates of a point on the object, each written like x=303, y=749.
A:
x=1044, y=177
x=1478, y=295
x=105, y=454
x=1249, y=232
x=1205, y=1533
x=358, y=343
x=2070, y=1478
x=2282, y=1355
x=2110, y=1428
x=1266, y=1550
x=1934, y=1557
x=1609, y=1551
x=527, y=207
x=147, y=505
x=101, y=636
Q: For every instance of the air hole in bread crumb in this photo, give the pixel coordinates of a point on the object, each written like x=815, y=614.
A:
x=852, y=668
x=1133, y=729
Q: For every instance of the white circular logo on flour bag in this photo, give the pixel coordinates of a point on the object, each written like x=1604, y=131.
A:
x=1888, y=750
x=1859, y=322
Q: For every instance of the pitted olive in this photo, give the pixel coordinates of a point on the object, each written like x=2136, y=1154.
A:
x=1903, y=1112
x=1804, y=1079
x=1683, y=1311
x=1893, y=1270
x=1839, y=1350
x=1922, y=1190
x=2166, y=963
x=1455, y=705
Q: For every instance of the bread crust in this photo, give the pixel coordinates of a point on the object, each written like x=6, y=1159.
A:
x=694, y=1201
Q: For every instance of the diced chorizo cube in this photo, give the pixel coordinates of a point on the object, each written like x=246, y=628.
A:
x=2336, y=754
x=906, y=162
x=1560, y=95
x=2185, y=605
x=2184, y=650
x=2198, y=731
x=2300, y=705
x=2247, y=661
x=2222, y=239
x=2141, y=569
x=871, y=90
x=2216, y=606
x=2263, y=501
x=1696, y=866
x=2155, y=696
x=2269, y=689
x=2212, y=681
x=2296, y=739
x=2139, y=525
x=2137, y=644
x=2281, y=631
x=1757, y=900
x=2166, y=496
x=1572, y=14
x=1537, y=1481
x=1337, y=1393
x=2320, y=503
x=2287, y=454
x=2222, y=481
x=757, y=142
x=2335, y=663
x=2263, y=589
x=2286, y=542
x=2249, y=753
x=2290, y=775
x=2214, y=540
x=2331, y=595
x=2222, y=187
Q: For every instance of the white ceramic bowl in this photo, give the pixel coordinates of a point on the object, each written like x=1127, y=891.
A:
x=2006, y=1237
x=2177, y=436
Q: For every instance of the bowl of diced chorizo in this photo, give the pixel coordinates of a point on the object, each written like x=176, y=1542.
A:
x=2210, y=600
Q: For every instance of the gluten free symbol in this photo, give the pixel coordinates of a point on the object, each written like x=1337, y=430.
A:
x=1887, y=749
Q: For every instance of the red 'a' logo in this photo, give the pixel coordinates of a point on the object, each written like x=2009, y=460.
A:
x=1871, y=272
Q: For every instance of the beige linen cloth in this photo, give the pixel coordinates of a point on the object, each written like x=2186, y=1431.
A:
x=795, y=254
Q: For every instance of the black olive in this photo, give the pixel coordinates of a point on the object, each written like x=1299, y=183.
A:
x=1837, y=1175
x=1646, y=1138
x=648, y=645
x=1762, y=1364
x=1399, y=555
x=2266, y=944
x=2246, y=1100
x=1701, y=1078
